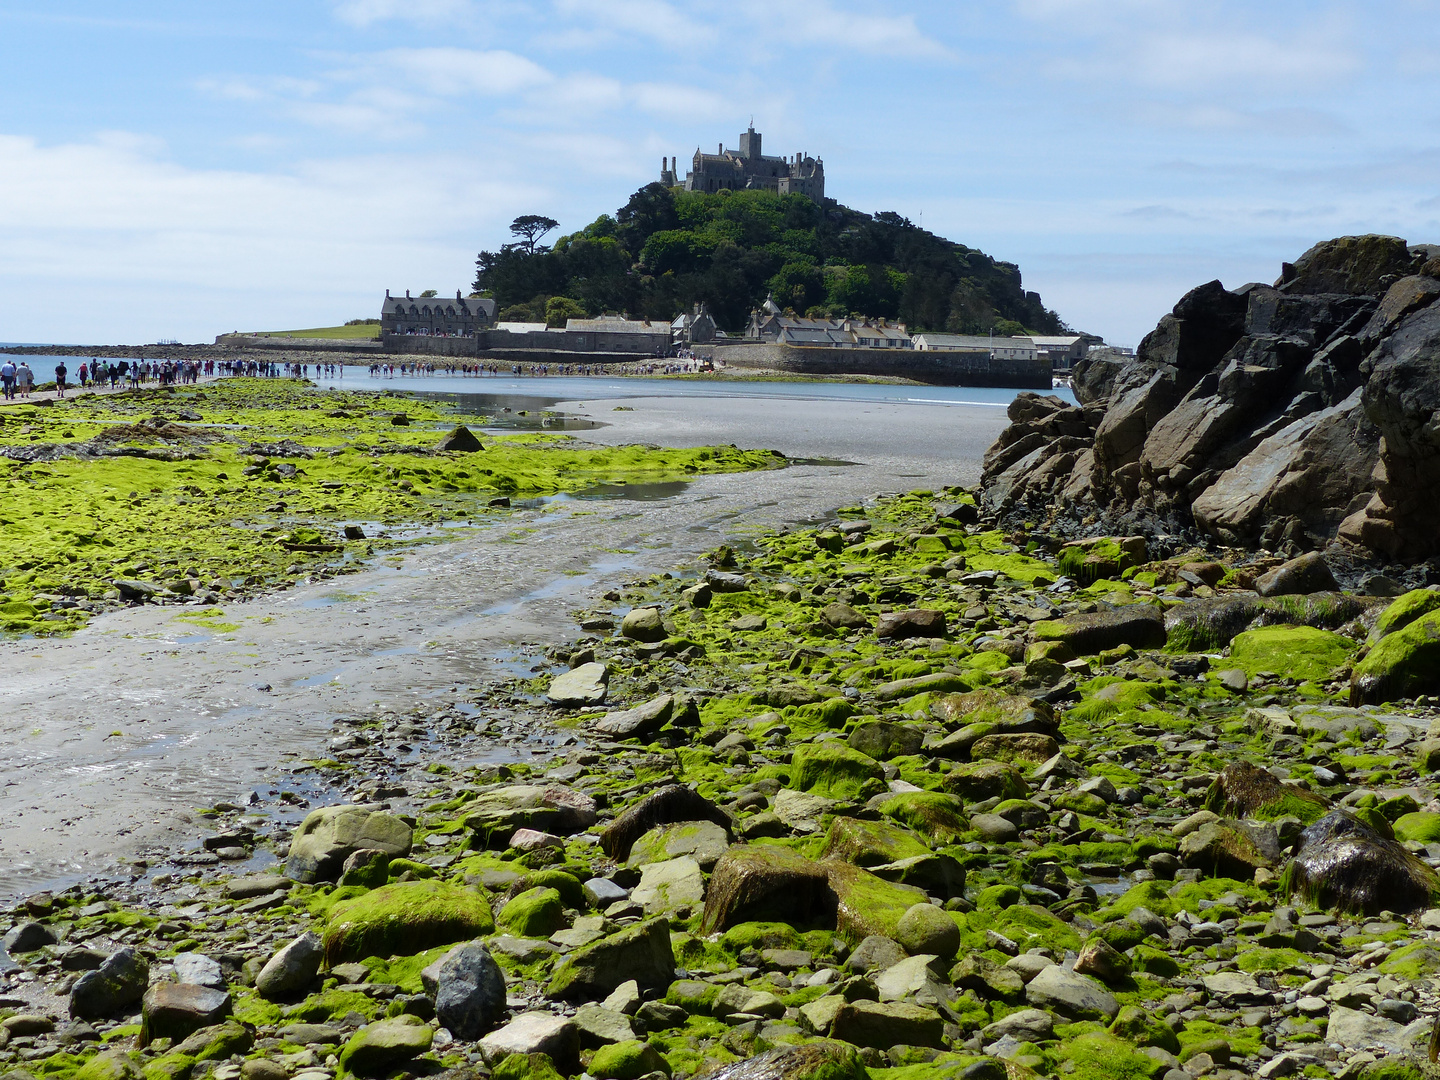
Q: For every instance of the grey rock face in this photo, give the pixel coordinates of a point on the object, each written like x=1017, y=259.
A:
x=292, y=968
x=469, y=991
x=175, y=1010
x=115, y=985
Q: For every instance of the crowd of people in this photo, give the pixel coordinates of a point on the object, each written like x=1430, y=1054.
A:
x=258, y=369
x=676, y=366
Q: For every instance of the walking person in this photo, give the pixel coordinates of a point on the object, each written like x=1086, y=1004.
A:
x=26, y=378
x=7, y=377
x=60, y=373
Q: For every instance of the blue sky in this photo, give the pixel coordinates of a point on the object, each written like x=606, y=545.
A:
x=175, y=170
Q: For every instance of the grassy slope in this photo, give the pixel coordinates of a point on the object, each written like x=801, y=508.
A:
x=344, y=333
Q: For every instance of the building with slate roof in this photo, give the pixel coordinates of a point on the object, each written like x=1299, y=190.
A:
x=747, y=169
x=436, y=316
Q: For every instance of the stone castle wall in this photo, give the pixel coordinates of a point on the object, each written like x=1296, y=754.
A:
x=941, y=368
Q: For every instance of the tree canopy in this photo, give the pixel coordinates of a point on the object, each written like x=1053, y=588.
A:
x=667, y=249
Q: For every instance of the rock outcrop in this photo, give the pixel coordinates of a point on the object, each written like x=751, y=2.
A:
x=1277, y=415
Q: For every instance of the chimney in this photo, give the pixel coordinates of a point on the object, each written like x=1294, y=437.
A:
x=387, y=294
x=457, y=294
x=407, y=294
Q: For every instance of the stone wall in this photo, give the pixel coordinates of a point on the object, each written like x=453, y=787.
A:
x=938, y=367
x=294, y=344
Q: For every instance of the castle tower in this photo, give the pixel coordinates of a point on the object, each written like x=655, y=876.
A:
x=750, y=144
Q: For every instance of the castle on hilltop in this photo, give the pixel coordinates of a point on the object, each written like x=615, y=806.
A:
x=747, y=169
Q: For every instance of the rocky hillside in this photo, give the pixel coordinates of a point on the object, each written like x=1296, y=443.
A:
x=1289, y=416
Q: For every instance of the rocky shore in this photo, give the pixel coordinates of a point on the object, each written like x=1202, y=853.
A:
x=907, y=794
x=1293, y=416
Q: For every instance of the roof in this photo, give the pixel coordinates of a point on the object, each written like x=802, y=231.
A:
x=469, y=305
x=1063, y=341
x=613, y=324
x=974, y=341
x=522, y=327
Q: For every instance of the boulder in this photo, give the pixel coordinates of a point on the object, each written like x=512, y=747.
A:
x=469, y=991
x=405, y=918
x=916, y=623
x=462, y=440
x=199, y=969
x=1139, y=625
x=760, y=883
x=115, y=985
x=1071, y=994
x=535, y=1033
x=534, y=913
x=175, y=1010
x=29, y=937
x=579, y=687
x=378, y=1047
x=925, y=928
x=293, y=968
x=833, y=770
x=1366, y=265
x=644, y=719
x=644, y=624
x=670, y=886
x=839, y=616
x=1232, y=849
x=327, y=836
x=703, y=841
x=1342, y=864
x=866, y=904
x=883, y=740
x=1309, y=573
x=1403, y=664
x=668, y=805
x=629, y=1060
x=641, y=953
x=883, y=1024
x=495, y=815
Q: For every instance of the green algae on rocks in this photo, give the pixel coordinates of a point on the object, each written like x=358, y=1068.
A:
x=223, y=489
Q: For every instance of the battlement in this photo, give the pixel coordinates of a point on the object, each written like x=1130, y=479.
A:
x=748, y=169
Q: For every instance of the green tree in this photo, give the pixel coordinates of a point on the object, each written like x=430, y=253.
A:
x=529, y=228
x=560, y=308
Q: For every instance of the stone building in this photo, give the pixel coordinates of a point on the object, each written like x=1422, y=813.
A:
x=695, y=327
x=435, y=316
x=747, y=169
x=769, y=324
x=1004, y=348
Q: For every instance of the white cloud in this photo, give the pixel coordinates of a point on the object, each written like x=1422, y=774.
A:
x=450, y=71
x=799, y=23
x=605, y=21
x=168, y=251
x=1184, y=60
x=680, y=101
x=363, y=13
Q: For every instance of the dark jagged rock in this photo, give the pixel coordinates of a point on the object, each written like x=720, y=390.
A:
x=1254, y=416
x=461, y=440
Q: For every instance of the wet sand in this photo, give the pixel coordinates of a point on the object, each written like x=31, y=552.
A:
x=115, y=736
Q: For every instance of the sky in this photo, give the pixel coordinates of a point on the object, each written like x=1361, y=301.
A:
x=177, y=171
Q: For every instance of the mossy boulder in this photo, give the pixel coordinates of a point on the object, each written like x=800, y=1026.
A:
x=1144, y=1028
x=641, y=952
x=935, y=814
x=1401, y=665
x=110, y=1065
x=378, y=1047
x=822, y=1059
x=1141, y=626
x=404, y=919
x=526, y=1067
x=329, y=835
x=1298, y=652
x=627, y=1060
x=1421, y=826
x=835, y=771
x=760, y=935
x=982, y=780
x=865, y=904
x=764, y=883
x=1246, y=790
x=1405, y=610
x=870, y=843
x=534, y=913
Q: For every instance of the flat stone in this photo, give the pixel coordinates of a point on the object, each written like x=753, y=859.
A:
x=175, y=1010
x=1236, y=987
x=584, y=685
x=535, y=1033
x=1074, y=995
x=199, y=969
x=378, y=1047
x=642, y=720
x=599, y=1026
x=1356, y=1030
x=670, y=886
x=293, y=968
